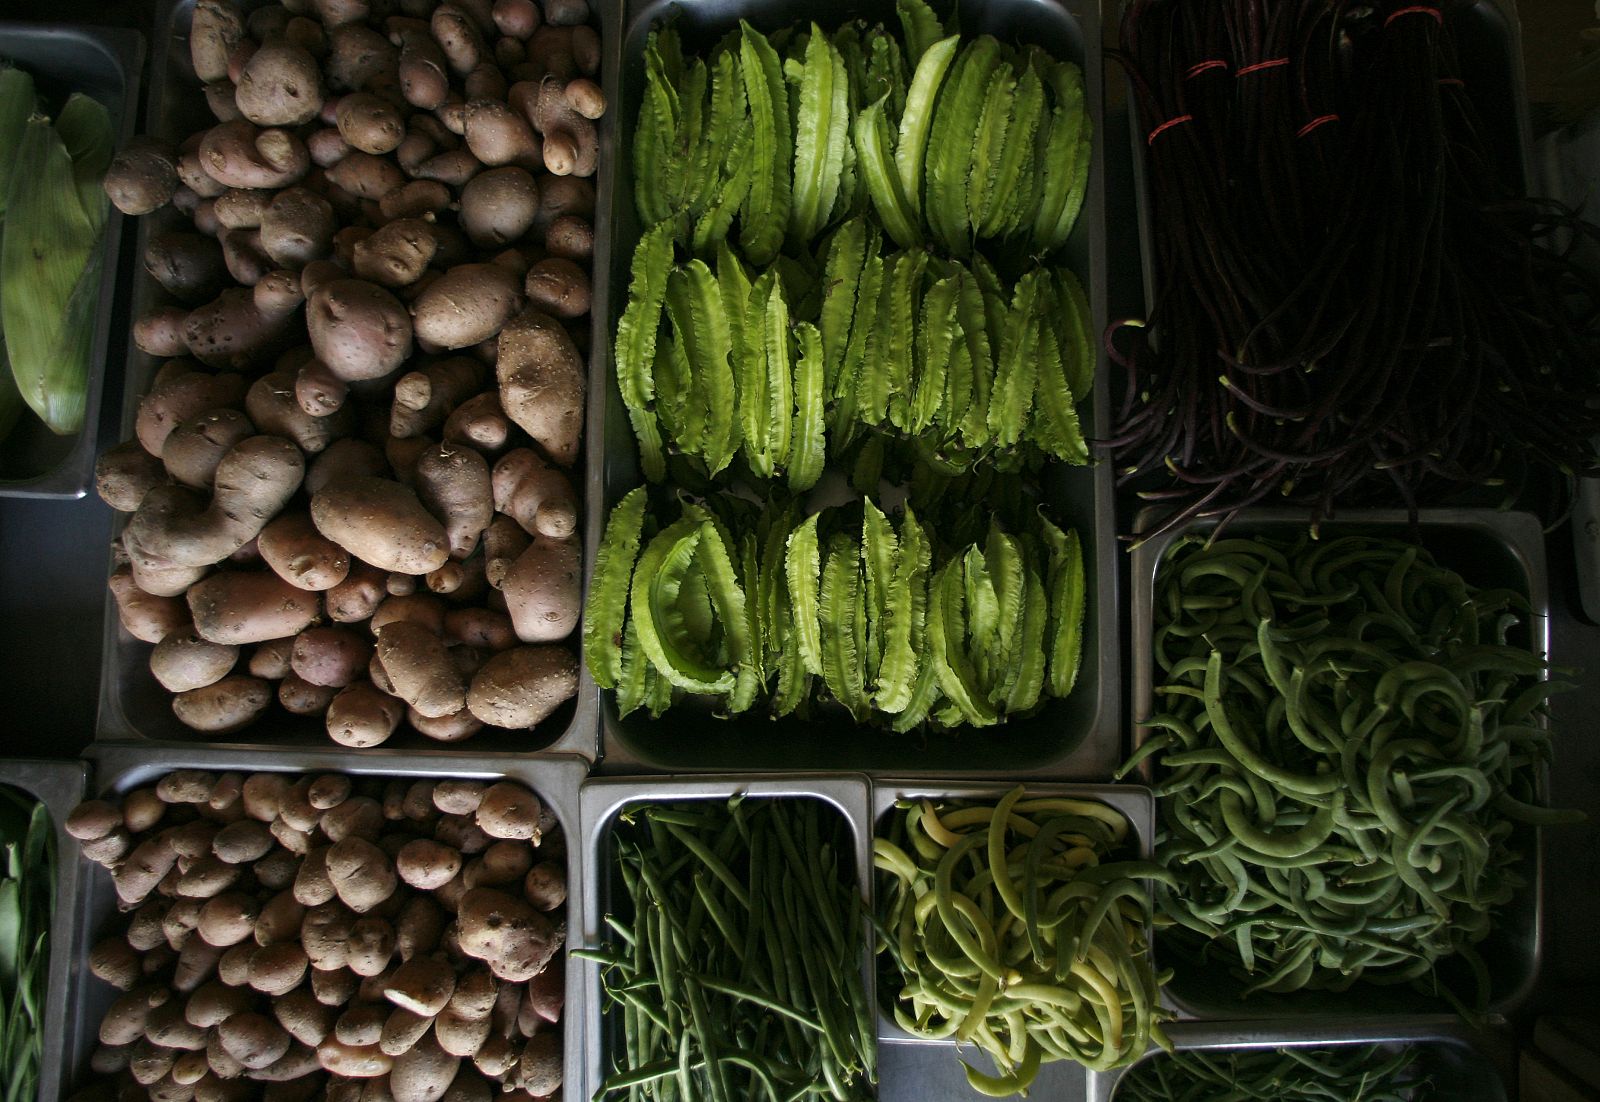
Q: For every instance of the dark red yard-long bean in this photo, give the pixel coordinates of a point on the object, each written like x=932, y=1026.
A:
x=1352, y=301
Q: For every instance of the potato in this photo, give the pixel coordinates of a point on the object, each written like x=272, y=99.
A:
x=184, y=661
x=238, y=154
x=361, y=873
x=370, y=123
x=291, y=545
x=189, y=266
x=508, y=935
x=427, y=865
x=330, y=656
x=559, y=287
x=277, y=969
x=194, y=450
x=397, y=254
x=281, y=85
x=422, y=985
x=142, y=177
x=382, y=523
x=225, y=706
x=353, y=1061
x=280, y=920
x=519, y=688
x=357, y=597
x=468, y=304
x=254, y=1040
x=542, y=383
x=359, y=330
x=423, y=1072
x=362, y=715
x=297, y=228
x=231, y=608
x=543, y=590
x=498, y=206
x=453, y=484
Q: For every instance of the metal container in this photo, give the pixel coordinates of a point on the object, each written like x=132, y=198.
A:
x=118, y=769
x=1135, y=803
x=603, y=800
x=106, y=64
x=1490, y=549
x=59, y=787
x=133, y=706
x=1450, y=1056
x=1079, y=737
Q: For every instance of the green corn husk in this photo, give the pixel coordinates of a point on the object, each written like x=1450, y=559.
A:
x=16, y=104
x=49, y=260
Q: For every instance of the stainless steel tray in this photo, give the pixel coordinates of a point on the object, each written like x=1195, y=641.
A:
x=1077, y=738
x=1135, y=803
x=602, y=800
x=106, y=64
x=1491, y=549
x=117, y=769
x=59, y=786
x=1460, y=1069
x=133, y=707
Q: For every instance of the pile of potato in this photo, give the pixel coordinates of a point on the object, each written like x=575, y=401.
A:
x=356, y=455
x=358, y=939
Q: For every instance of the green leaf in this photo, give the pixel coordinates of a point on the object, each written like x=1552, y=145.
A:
x=664, y=636
x=1067, y=155
x=1016, y=370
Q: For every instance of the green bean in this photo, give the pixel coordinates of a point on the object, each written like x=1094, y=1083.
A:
x=1014, y=926
x=732, y=975
x=1339, y=1073
x=1340, y=755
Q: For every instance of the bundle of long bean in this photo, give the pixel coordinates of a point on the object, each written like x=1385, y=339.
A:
x=1023, y=939
x=737, y=964
x=1352, y=302
x=1346, y=739
x=1336, y=1073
